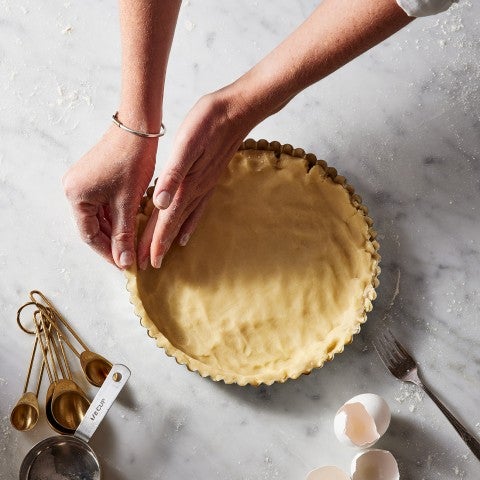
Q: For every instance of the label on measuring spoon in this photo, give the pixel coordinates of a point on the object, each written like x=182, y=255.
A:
x=102, y=402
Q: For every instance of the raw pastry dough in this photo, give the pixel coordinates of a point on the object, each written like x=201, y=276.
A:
x=275, y=280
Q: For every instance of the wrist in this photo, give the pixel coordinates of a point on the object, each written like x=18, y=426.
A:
x=242, y=105
x=128, y=142
x=140, y=115
x=256, y=96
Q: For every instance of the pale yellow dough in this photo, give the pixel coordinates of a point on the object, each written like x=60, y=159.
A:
x=276, y=279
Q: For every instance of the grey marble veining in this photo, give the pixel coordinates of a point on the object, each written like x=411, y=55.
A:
x=401, y=123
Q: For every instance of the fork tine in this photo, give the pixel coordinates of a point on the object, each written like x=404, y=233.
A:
x=386, y=362
x=386, y=343
x=398, y=351
x=389, y=336
x=402, y=353
x=402, y=349
x=393, y=355
x=388, y=351
x=380, y=345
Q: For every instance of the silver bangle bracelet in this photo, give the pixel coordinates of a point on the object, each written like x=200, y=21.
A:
x=119, y=124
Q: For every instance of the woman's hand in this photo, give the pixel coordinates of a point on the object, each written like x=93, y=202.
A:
x=205, y=142
x=105, y=188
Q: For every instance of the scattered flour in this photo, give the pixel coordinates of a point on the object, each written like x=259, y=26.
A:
x=189, y=25
x=411, y=395
x=394, y=296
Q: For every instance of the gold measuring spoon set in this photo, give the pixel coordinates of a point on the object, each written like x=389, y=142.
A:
x=65, y=403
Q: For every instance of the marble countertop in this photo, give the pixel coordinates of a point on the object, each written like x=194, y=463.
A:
x=401, y=123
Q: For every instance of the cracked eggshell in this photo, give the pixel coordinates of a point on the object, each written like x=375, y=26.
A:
x=362, y=420
x=327, y=473
x=374, y=465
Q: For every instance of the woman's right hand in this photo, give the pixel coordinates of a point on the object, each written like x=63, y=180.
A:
x=105, y=188
x=204, y=144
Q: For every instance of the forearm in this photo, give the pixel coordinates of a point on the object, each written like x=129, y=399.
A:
x=335, y=33
x=147, y=28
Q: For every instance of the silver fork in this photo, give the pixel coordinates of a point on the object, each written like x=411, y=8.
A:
x=402, y=365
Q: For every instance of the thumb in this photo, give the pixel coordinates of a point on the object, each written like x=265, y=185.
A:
x=123, y=216
x=178, y=166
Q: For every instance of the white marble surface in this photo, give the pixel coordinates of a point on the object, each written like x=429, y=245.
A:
x=401, y=123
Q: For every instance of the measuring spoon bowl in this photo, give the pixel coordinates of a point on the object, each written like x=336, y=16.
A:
x=95, y=367
x=69, y=404
x=25, y=414
x=48, y=412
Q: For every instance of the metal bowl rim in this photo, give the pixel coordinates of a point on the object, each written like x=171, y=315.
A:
x=41, y=446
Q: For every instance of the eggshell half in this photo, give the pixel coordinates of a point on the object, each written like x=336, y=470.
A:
x=362, y=420
x=327, y=473
x=374, y=465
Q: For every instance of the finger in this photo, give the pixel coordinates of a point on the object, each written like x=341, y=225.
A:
x=123, y=211
x=85, y=215
x=190, y=224
x=179, y=164
x=168, y=224
x=143, y=249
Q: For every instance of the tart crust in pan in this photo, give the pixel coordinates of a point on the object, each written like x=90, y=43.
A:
x=277, y=278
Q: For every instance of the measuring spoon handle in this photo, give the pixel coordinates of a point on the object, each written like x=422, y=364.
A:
x=106, y=395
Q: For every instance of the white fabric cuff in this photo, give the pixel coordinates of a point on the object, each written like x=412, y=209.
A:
x=422, y=8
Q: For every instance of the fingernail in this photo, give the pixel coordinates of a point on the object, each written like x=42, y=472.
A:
x=162, y=200
x=143, y=264
x=157, y=262
x=126, y=259
x=184, y=239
